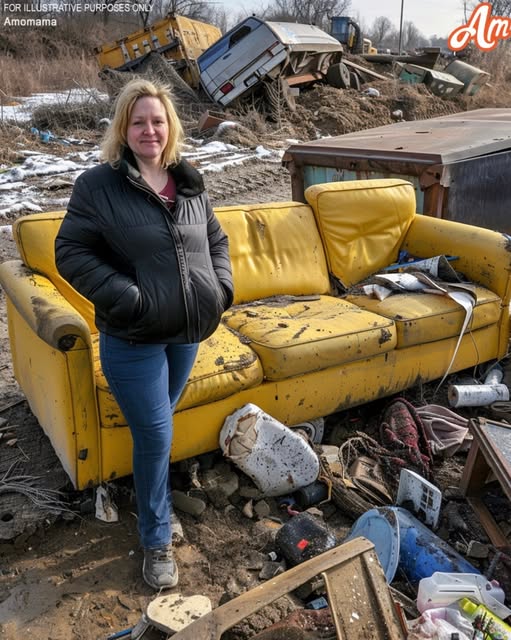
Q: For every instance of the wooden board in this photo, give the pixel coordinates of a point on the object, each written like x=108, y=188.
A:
x=340, y=566
x=490, y=453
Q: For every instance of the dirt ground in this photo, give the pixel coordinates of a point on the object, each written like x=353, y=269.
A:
x=73, y=576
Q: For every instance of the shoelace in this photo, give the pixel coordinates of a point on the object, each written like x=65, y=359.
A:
x=162, y=555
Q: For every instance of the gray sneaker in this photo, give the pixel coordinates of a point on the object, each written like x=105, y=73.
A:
x=159, y=569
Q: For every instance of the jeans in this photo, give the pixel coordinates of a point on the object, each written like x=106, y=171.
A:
x=147, y=380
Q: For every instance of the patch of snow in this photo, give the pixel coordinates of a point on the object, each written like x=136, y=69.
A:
x=23, y=108
x=11, y=185
x=262, y=152
x=15, y=207
x=25, y=187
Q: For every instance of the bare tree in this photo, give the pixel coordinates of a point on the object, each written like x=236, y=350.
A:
x=195, y=9
x=499, y=7
x=412, y=37
x=381, y=29
x=316, y=12
x=216, y=15
x=438, y=41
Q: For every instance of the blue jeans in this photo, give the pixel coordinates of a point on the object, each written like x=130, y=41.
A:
x=147, y=380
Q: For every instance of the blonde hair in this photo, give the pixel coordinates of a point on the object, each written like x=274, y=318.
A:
x=116, y=134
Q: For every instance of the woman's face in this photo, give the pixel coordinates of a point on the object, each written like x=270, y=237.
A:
x=148, y=129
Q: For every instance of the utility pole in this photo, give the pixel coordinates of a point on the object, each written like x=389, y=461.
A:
x=401, y=27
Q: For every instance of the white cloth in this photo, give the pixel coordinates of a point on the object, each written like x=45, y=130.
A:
x=446, y=431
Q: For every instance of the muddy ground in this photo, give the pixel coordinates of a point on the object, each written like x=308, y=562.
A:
x=73, y=576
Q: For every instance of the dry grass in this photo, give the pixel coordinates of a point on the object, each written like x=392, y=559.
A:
x=25, y=77
x=46, y=59
x=497, y=93
x=12, y=139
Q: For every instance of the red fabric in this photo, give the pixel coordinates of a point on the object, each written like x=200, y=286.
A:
x=169, y=190
x=403, y=433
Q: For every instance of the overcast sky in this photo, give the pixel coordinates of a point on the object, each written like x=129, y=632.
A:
x=430, y=16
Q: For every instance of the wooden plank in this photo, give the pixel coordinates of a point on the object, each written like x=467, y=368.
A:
x=360, y=601
x=212, y=625
x=490, y=452
x=494, y=441
x=475, y=471
x=497, y=538
x=369, y=72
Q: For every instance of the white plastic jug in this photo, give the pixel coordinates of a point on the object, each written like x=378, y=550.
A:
x=278, y=460
x=442, y=589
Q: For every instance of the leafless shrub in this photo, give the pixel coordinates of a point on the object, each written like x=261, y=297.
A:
x=11, y=138
x=255, y=121
x=190, y=104
x=63, y=117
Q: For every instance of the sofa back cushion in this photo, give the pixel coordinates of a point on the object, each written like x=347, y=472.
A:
x=362, y=224
x=35, y=235
x=275, y=249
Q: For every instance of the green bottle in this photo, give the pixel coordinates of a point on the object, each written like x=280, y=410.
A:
x=491, y=627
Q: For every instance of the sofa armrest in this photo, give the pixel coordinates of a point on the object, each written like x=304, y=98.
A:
x=484, y=256
x=45, y=310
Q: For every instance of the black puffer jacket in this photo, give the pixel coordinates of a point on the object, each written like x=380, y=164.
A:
x=153, y=275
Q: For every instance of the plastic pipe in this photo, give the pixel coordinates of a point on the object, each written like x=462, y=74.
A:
x=476, y=395
x=494, y=375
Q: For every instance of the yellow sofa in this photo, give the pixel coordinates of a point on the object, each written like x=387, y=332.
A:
x=288, y=344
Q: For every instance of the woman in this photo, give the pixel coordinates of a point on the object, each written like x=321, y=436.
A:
x=141, y=242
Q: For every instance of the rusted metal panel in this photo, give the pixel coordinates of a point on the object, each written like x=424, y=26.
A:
x=436, y=141
x=480, y=192
x=459, y=164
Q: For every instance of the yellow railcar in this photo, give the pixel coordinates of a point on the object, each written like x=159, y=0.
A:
x=176, y=38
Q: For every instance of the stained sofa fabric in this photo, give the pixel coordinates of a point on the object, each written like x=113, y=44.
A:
x=426, y=317
x=362, y=224
x=288, y=345
x=293, y=337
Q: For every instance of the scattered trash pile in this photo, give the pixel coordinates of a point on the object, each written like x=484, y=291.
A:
x=457, y=77
x=407, y=546
x=403, y=91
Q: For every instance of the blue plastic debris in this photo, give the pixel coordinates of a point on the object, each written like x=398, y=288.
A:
x=120, y=634
x=317, y=603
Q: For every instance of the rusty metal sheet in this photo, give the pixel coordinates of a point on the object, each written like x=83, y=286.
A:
x=440, y=141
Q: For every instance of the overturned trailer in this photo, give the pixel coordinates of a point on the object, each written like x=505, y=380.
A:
x=178, y=39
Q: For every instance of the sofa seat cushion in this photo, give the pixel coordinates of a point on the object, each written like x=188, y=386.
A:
x=224, y=366
x=426, y=317
x=293, y=336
